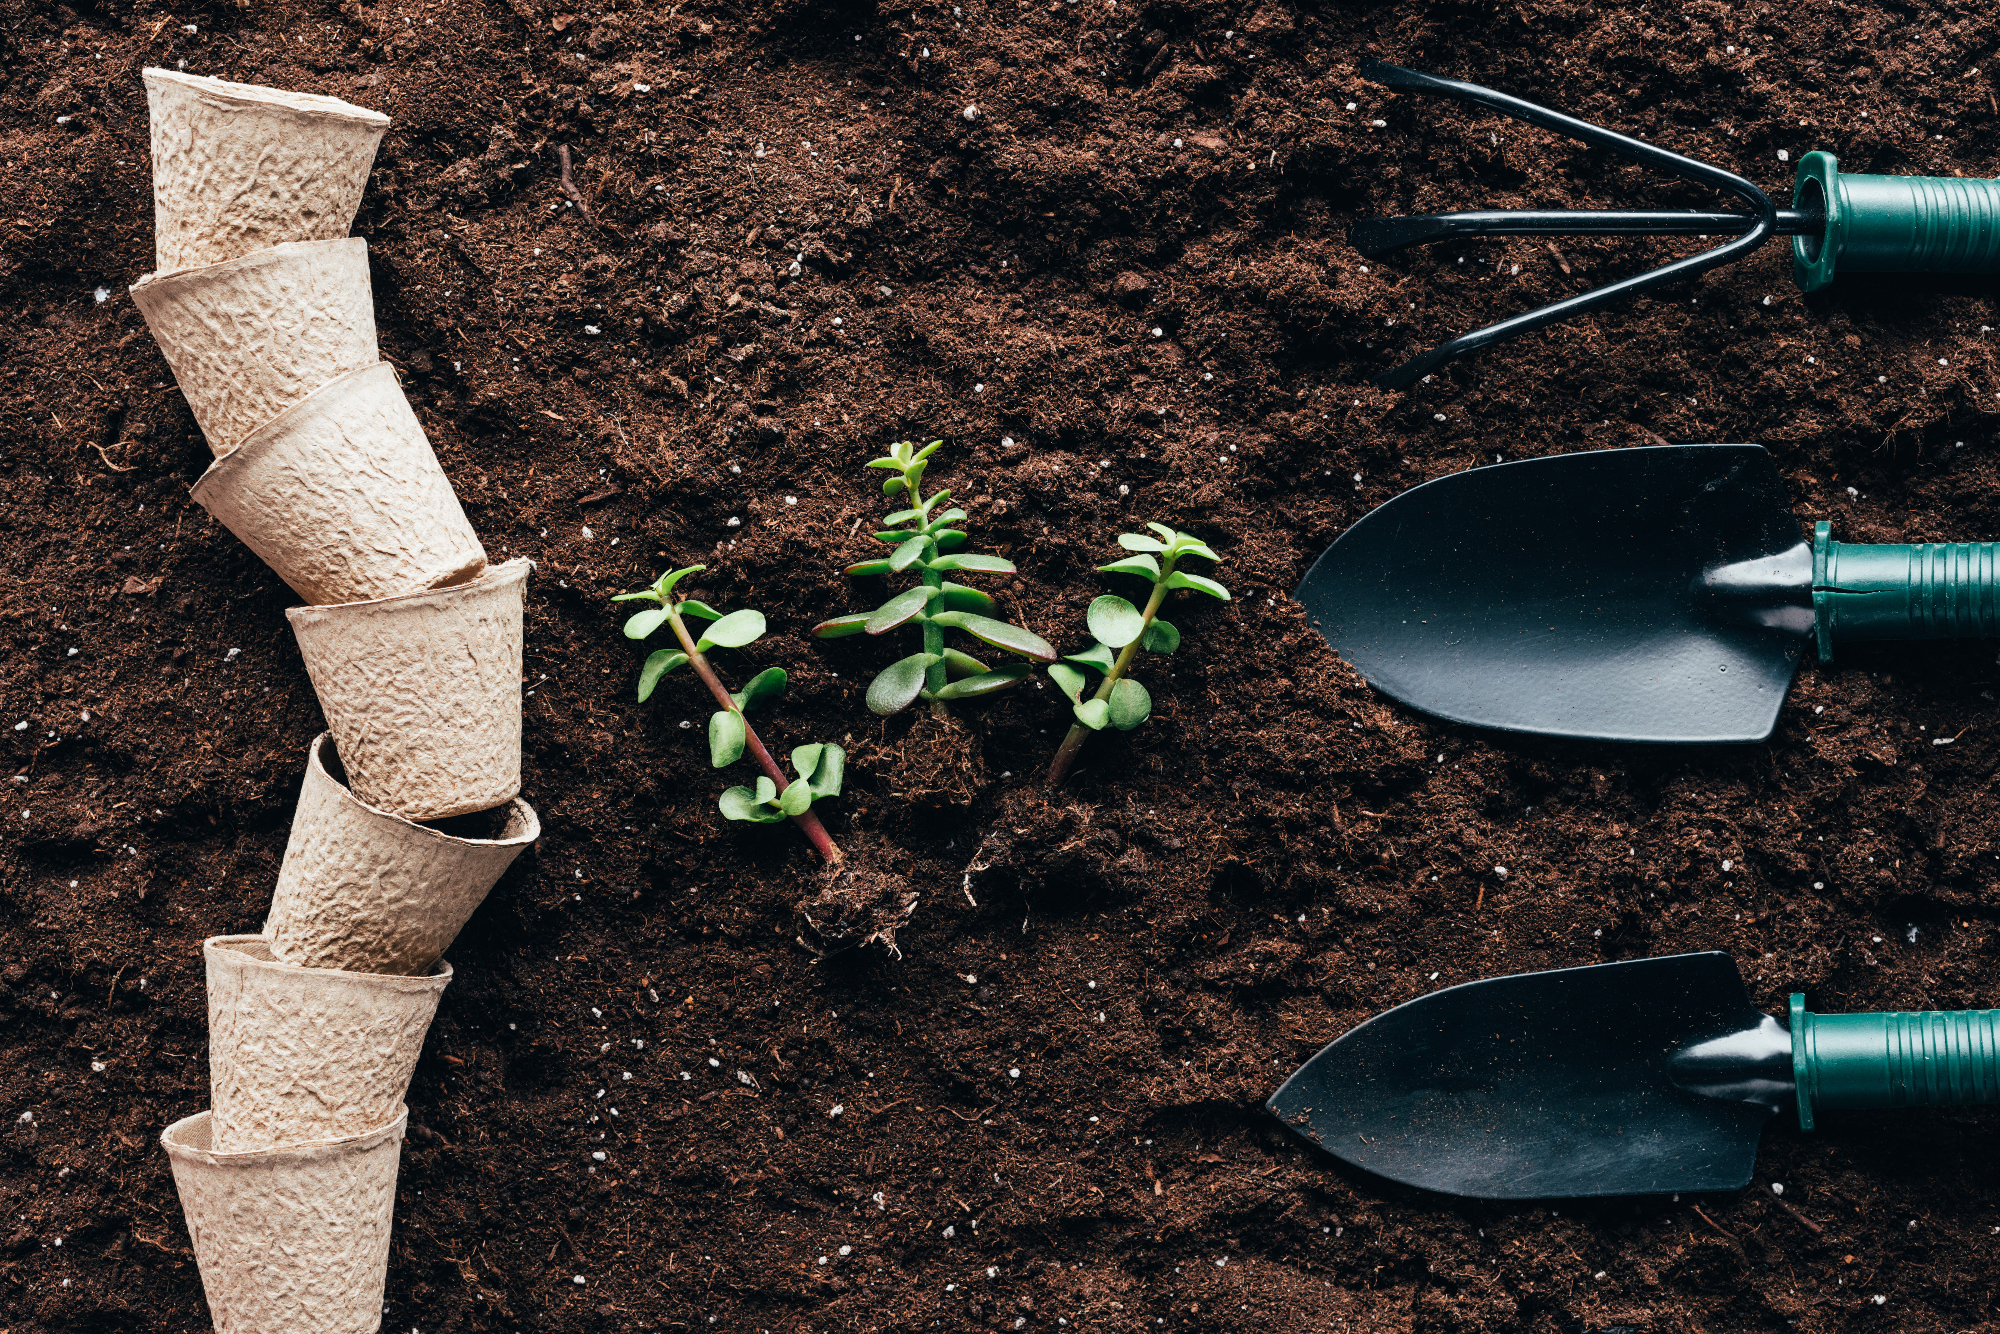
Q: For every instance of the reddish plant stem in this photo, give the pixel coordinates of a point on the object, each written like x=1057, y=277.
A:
x=808, y=821
x=1066, y=755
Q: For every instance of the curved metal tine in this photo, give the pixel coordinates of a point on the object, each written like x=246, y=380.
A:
x=1395, y=76
x=1375, y=237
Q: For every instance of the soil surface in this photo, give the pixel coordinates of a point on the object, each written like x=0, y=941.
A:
x=1100, y=250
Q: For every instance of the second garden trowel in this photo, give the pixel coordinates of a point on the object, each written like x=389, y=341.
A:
x=1658, y=594
x=1634, y=1078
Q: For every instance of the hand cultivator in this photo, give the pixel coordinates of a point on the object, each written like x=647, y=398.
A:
x=1839, y=221
x=1634, y=1078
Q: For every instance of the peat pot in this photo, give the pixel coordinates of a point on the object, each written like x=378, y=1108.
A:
x=422, y=693
x=303, y=1054
x=372, y=892
x=238, y=167
x=342, y=495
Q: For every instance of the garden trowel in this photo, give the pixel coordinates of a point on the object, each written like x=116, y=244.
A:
x=1659, y=594
x=1635, y=1078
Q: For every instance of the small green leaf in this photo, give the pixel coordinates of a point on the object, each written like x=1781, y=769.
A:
x=949, y=516
x=904, y=516
x=893, y=464
x=898, y=684
x=1182, y=579
x=901, y=451
x=1134, y=542
x=898, y=610
x=972, y=687
x=949, y=539
x=999, y=634
x=733, y=631
x=1160, y=637
x=1167, y=534
x=958, y=664
x=664, y=585
x=974, y=561
x=642, y=593
x=658, y=664
x=827, y=774
x=909, y=553
x=767, y=791
x=894, y=486
x=840, y=627
x=767, y=684
x=645, y=622
x=928, y=450
x=1114, y=621
x=1193, y=546
x=725, y=738
x=1068, y=680
x=797, y=798
x=1093, y=713
x=867, y=569
x=701, y=609
x=740, y=803
x=1098, y=657
x=1143, y=566
x=957, y=597
x=894, y=537
x=1130, y=704
x=806, y=758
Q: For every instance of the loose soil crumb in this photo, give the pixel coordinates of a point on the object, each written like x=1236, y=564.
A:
x=1121, y=290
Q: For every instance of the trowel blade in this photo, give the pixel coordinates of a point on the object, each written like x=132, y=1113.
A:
x=1634, y=1078
x=1660, y=594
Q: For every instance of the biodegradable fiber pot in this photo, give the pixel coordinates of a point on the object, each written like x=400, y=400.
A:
x=290, y=1239
x=342, y=495
x=238, y=167
x=303, y=1054
x=249, y=337
x=423, y=693
x=372, y=892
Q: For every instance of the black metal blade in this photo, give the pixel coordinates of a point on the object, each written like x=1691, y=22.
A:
x=1660, y=594
x=1634, y=1078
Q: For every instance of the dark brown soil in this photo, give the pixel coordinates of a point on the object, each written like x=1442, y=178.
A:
x=797, y=249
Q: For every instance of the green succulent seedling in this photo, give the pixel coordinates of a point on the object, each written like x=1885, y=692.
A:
x=925, y=542
x=819, y=766
x=1121, y=630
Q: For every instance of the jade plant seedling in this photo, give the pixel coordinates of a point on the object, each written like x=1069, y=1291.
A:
x=775, y=797
x=1122, y=629
x=925, y=542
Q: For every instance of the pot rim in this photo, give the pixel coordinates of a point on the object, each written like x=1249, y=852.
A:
x=507, y=571
x=174, y=1140
x=275, y=99
x=265, y=255
x=531, y=832
x=437, y=978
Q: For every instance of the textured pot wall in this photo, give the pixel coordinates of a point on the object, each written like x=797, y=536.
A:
x=250, y=337
x=293, y=1241
x=302, y=1054
x=343, y=496
x=372, y=892
x=237, y=167
x=423, y=693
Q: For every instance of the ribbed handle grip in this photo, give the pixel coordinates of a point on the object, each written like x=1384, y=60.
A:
x=1899, y=1058
x=1925, y=590
x=1894, y=224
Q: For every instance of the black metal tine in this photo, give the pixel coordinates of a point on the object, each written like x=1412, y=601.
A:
x=1375, y=237
x=1762, y=224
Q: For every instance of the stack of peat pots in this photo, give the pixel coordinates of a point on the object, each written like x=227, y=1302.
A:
x=262, y=305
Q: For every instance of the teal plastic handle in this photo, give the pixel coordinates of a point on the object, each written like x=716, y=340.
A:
x=1893, y=224
x=1923, y=590
x=1928, y=1058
